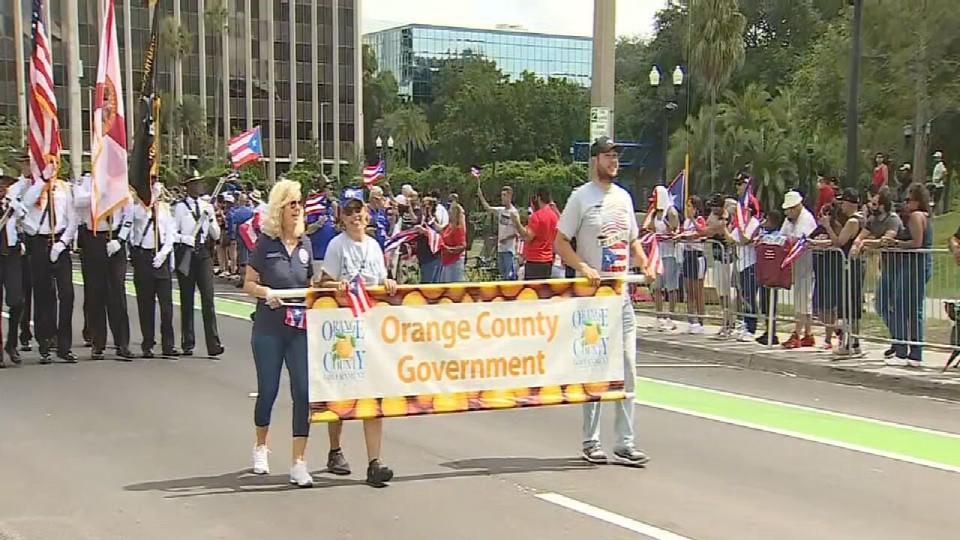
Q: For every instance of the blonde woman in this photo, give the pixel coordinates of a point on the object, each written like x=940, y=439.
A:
x=350, y=256
x=454, y=246
x=282, y=259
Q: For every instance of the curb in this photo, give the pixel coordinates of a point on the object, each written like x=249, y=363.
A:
x=835, y=372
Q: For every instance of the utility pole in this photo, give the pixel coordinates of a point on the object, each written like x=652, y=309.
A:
x=75, y=101
x=315, y=72
x=21, y=70
x=921, y=121
x=271, y=96
x=604, y=67
x=853, y=108
x=335, y=20
x=292, y=81
x=128, y=64
x=248, y=62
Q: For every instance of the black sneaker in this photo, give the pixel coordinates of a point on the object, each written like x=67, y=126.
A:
x=762, y=340
x=378, y=474
x=337, y=463
x=68, y=357
x=630, y=457
x=147, y=354
x=12, y=352
x=594, y=455
x=890, y=353
x=96, y=354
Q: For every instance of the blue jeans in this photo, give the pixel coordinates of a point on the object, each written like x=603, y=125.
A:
x=430, y=271
x=453, y=273
x=506, y=266
x=748, y=297
x=270, y=351
x=623, y=425
x=883, y=301
x=910, y=282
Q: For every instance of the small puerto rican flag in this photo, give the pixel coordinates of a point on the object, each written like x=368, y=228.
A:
x=475, y=171
x=358, y=297
x=374, y=173
x=296, y=317
x=796, y=250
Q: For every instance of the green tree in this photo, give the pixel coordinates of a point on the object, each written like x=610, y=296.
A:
x=716, y=51
x=410, y=130
x=215, y=19
x=380, y=97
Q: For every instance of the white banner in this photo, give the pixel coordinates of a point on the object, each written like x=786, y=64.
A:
x=467, y=347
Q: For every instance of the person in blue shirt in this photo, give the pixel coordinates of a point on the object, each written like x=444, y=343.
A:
x=321, y=217
x=239, y=215
x=379, y=218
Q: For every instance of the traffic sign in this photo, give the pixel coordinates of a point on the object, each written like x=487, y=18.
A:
x=600, y=124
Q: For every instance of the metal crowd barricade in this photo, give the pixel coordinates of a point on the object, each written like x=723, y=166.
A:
x=696, y=285
x=911, y=301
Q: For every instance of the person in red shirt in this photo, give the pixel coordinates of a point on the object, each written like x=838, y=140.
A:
x=538, y=236
x=825, y=193
x=881, y=172
x=453, y=246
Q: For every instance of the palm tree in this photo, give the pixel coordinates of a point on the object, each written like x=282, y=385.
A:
x=192, y=121
x=409, y=128
x=716, y=51
x=175, y=43
x=215, y=19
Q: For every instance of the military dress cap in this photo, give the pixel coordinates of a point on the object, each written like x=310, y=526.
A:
x=195, y=177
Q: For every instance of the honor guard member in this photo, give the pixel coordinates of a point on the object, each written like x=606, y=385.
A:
x=103, y=257
x=26, y=333
x=196, y=226
x=151, y=251
x=51, y=225
x=11, y=257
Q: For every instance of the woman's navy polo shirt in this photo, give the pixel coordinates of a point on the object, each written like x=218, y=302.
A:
x=279, y=270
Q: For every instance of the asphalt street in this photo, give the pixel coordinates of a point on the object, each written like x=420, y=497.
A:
x=161, y=448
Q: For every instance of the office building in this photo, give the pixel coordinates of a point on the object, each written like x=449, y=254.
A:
x=233, y=49
x=414, y=52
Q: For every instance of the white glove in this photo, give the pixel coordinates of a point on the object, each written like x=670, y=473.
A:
x=113, y=247
x=159, y=260
x=188, y=240
x=271, y=299
x=56, y=250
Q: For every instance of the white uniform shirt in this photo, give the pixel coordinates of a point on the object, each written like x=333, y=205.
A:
x=38, y=220
x=14, y=198
x=121, y=219
x=185, y=215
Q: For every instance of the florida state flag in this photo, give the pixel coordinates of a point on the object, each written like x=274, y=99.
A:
x=110, y=185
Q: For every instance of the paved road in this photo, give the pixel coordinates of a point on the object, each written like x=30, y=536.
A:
x=159, y=449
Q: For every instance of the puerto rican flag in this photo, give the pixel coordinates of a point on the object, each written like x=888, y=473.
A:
x=796, y=250
x=399, y=239
x=374, y=173
x=433, y=239
x=246, y=148
x=747, y=200
x=315, y=204
x=358, y=298
x=249, y=230
x=651, y=245
x=475, y=171
x=296, y=317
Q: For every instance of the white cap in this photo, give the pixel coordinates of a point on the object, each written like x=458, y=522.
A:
x=406, y=190
x=376, y=191
x=792, y=199
x=228, y=197
x=400, y=200
x=905, y=167
x=938, y=154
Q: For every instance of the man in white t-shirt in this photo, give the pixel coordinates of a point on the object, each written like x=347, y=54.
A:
x=506, y=232
x=800, y=223
x=600, y=216
x=939, y=180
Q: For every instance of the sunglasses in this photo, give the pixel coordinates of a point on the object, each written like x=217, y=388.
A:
x=351, y=210
x=295, y=204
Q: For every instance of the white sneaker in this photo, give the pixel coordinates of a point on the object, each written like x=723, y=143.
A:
x=746, y=336
x=896, y=362
x=739, y=329
x=669, y=325
x=299, y=475
x=914, y=363
x=696, y=329
x=261, y=463
x=661, y=325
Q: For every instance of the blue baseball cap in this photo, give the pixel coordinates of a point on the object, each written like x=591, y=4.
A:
x=351, y=194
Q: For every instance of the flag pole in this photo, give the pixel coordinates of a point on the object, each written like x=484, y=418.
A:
x=686, y=179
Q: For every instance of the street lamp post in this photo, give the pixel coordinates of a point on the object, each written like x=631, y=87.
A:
x=669, y=105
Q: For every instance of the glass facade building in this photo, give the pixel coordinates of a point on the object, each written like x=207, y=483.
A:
x=413, y=52
x=300, y=76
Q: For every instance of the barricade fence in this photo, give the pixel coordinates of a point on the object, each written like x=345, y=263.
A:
x=909, y=299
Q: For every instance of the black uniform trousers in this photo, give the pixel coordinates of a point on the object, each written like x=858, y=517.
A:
x=26, y=333
x=200, y=278
x=153, y=285
x=11, y=279
x=52, y=295
x=105, y=290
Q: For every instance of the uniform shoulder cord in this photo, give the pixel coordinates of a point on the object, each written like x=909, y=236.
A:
x=156, y=227
x=51, y=202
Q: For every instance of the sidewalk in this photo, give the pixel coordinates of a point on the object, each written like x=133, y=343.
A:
x=814, y=363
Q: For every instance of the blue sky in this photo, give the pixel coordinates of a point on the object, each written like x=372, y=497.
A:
x=573, y=17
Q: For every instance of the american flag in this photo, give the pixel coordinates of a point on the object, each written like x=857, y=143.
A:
x=44, y=127
x=374, y=173
x=796, y=250
x=246, y=147
x=651, y=244
x=475, y=171
x=358, y=297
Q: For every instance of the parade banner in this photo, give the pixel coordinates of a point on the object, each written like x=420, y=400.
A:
x=434, y=349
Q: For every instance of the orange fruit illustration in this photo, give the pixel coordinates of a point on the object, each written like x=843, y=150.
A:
x=414, y=298
x=450, y=402
x=574, y=394
x=394, y=406
x=344, y=347
x=341, y=408
x=488, y=292
x=325, y=302
x=511, y=290
x=528, y=294
x=559, y=287
x=606, y=291
x=466, y=299
x=597, y=389
x=497, y=399
x=432, y=292
x=367, y=408
x=583, y=289
x=456, y=292
x=445, y=300
x=425, y=401
x=551, y=395
x=591, y=333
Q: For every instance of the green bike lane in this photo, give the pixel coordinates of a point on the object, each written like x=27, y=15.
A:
x=873, y=435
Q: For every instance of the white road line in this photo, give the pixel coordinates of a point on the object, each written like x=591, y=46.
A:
x=641, y=365
x=803, y=408
x=609, y=517
x=805, y=437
